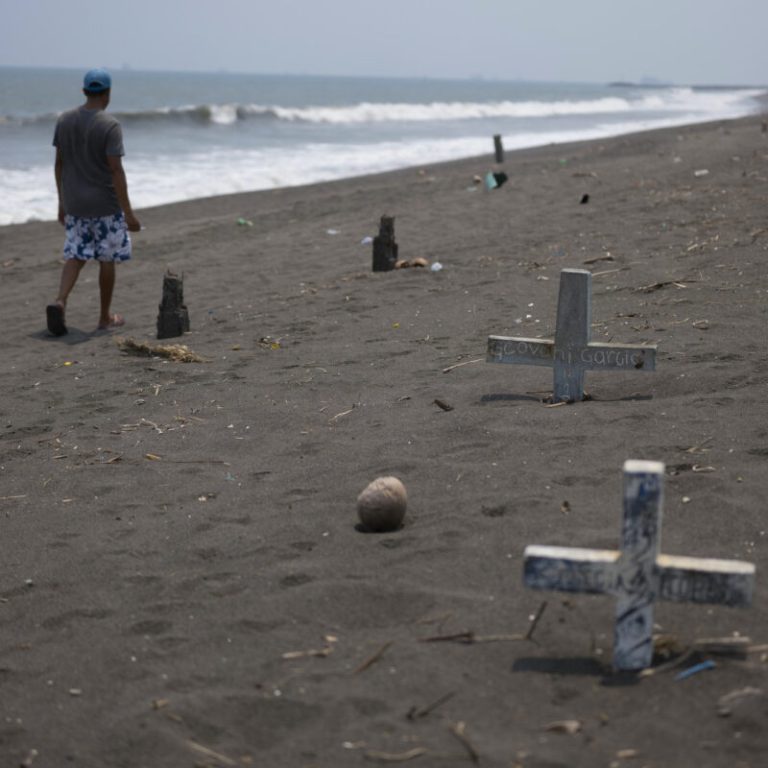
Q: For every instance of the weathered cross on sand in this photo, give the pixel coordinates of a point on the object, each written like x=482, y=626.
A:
x=638, y=574
x=571, y=352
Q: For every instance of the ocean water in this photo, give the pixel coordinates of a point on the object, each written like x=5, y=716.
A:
x=191, y=135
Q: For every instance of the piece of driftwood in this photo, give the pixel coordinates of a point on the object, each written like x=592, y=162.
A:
x=179, y=353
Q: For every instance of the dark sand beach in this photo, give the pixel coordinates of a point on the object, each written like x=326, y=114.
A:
x=171, y=530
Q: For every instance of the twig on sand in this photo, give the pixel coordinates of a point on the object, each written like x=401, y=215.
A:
x=369, y=662
x=344, y=413
x=663, y=284
x=200, y=749
x=312, y=653
x=535, y=620
x=758, y=648
x=395, y=757
x=466, y=362
x=700, y=448
x=416, y=712
x=668, y=665
x=736, y=647
x=469, y=638
x=459, y=731
x=442, y=618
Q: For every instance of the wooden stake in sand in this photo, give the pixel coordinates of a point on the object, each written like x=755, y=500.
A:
x=498, y=149
x=571, y=353
x=384, y=246
x=638, y=575
x=173, y=318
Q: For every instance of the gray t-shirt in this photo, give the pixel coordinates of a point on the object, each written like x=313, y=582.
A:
x=85, y=137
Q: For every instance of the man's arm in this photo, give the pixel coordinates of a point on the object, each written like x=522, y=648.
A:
x=115, y=163
x=57, y=172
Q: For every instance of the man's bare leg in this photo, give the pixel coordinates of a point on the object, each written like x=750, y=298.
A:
x=106, y=288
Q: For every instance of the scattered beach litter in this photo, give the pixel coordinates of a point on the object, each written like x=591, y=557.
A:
x=695, y=669
x=417, y=262
x=495, y=180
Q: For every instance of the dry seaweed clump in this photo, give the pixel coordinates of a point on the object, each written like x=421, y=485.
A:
x=179, y=353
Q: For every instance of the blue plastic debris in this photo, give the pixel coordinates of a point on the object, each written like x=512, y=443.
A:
x=694, y=670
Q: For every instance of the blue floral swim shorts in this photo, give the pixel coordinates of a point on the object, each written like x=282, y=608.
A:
x=104, y=238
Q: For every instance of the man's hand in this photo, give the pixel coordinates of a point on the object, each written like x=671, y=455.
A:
x=61, y=214
x=133, y=224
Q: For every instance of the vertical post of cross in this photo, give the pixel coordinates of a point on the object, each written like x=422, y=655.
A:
x=636, y=580
x=574, y=319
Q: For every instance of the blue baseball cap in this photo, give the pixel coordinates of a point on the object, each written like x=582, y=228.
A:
x=97, y=81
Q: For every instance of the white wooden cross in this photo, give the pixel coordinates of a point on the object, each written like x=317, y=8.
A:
x=638, y=575
x=571, y=352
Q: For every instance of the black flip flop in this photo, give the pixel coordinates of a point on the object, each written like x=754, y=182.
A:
x=55, y=316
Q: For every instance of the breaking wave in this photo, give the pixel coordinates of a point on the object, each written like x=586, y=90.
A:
x=671, y=100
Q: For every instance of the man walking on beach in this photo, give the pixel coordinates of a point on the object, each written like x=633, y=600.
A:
x=93, y=198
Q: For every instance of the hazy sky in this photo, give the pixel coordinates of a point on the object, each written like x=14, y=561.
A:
x=684, y=41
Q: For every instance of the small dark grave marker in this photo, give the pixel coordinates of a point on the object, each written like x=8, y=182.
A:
x=637, y=575
x=571, y=353
x=384, y=246
x=173, y=318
